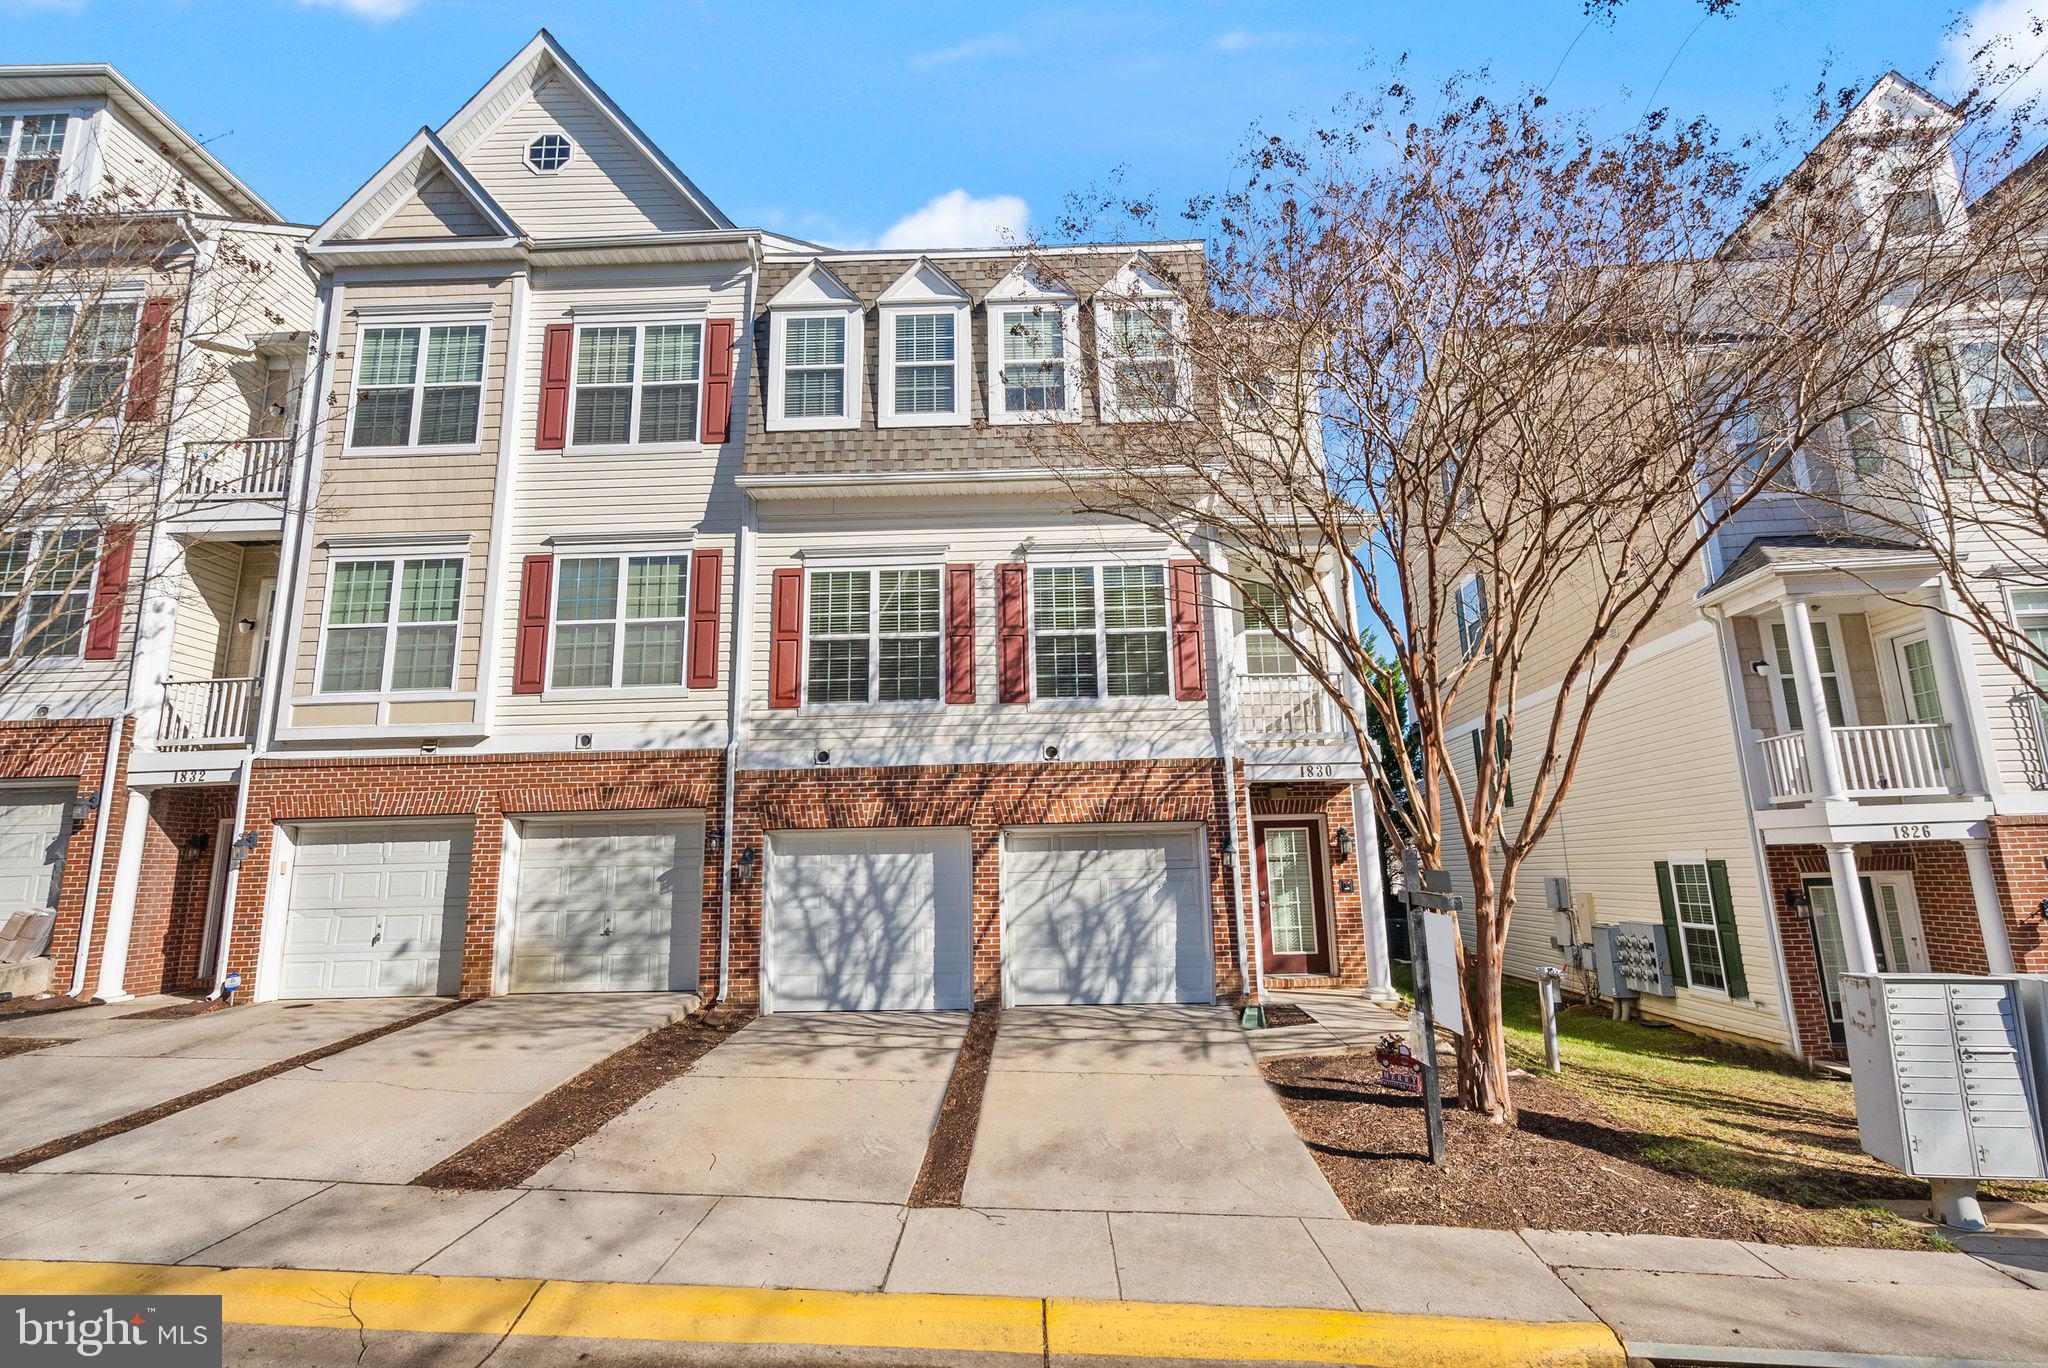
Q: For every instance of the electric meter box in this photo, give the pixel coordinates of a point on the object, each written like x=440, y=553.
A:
x=1631, y=958
x=1950, y=1070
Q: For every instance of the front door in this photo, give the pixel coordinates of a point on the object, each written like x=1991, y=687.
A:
x=1894, y=934
x=1293, y=921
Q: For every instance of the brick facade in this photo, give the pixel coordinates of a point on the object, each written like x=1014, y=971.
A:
x=180, y=847
x=485, y=789
x=1346, y=928
x=75, y=753
x=984, y=799
x=2019, y=860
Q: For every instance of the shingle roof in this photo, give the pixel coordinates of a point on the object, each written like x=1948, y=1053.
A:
x=1807, y=549
x=975, y=446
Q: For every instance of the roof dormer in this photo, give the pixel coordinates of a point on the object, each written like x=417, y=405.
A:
x=817, y=344
x=1034, y=347
x=1140, y=342
x=926, y=356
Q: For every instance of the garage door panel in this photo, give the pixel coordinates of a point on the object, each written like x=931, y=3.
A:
x=376, y=911
x=1105, y=916
x=608, y=905
x=868, y=921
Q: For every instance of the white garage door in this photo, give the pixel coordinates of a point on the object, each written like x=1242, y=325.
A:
x=376, y=911
x=873, y=920
x=1104, y=915
x=608, y=906
x=33, y=831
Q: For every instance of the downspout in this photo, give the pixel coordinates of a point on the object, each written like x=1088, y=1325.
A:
x=297, y=524
x=736, y=675
x=111, y=765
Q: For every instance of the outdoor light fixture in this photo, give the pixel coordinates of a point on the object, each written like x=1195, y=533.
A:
x=1796, y=898
x=746, y=868
x=239, y=848
x=245, y=624
x=197, y=842
x=1341, y=843
x=1762, y=668
x=1228, y=846
x=84, y=806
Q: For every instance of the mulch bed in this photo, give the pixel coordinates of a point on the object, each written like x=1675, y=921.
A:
x=13, y=1009
x=1566, y=1164
x=944, y=1173
x=173, y=1011
x=121, y=1125
x=1280, y=1014
x=520, y=1148
x=19, y=1045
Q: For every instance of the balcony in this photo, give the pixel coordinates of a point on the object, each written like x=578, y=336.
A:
x=204, y=714
x=239, y=468
x=1282, y=709
x=1913, y=760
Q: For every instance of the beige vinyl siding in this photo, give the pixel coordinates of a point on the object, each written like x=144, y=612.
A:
x=983, y=531
x=205, y=609
x=438, y=209
x=1660, y=774
x=131, y=164
x=259, y=563
x=682, y=491
x=606, y=188
x=260, y=286
x=405, y=492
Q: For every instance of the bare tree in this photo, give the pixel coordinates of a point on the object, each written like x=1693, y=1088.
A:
x=127, y=327
x=1474, y=386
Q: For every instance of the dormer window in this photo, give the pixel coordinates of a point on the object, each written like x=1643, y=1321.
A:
x=548, y=153
x=32, y=147
x=1138, y=322
x=816, y=341
x=1033, y=346
x=926, y=370
x=1913, y=210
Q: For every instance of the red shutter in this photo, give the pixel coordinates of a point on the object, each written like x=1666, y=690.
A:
x=785, y=640
x=1190, y=661
x=147, y=376
x=555, y=361
x=1013, y=639
x=718, y=364
x=536, y=605
x=707, y=585
x=6, y=309
x=110, y=586
x=959, y=634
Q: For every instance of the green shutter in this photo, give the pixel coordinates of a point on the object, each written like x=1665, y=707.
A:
x=1500, y=758
x=1945, y=402
x=1724, y=920
x=1669, y=902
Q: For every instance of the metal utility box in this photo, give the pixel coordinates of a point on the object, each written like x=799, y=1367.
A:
x=1950, y=1072
x=1631, y=958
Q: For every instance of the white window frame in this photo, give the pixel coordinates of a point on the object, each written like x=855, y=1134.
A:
x=10, y=154
x=1471, y=630
x=886, y=414
x=1696, y=859
x=855, y=364
x=1070, y=358
x=622, y=556
x=875, y=636
x=37, y=538
x=70, y=363
x=526, y=153
x=638, y=383
x=1102, y=631
x=398, y=559
x=1976, y=415
x=1831, y=626
x=1250, y=625
x=2019, y=616
x=1107, y=355
x=425, y=323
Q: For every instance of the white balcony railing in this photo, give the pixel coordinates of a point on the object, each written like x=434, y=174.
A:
x=1286, y=708
x=1913, y=759
x=239, y=468
x=203, y=713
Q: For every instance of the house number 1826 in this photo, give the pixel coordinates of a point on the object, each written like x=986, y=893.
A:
x=1913, y=831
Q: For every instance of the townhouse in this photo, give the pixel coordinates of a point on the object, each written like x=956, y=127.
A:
x=152, y=315
x=1809, y=767
x=663, y=605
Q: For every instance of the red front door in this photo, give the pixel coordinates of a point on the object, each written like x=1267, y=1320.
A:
x=1293, y=913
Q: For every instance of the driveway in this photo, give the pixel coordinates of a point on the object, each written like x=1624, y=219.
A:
x=1153, y=1109
x=118, y=1064
x=388, y=1110
x=835, y=1105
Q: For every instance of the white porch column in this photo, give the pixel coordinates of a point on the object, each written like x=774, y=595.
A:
x=1990, y=912
x=1372, y=893
x=1858, y=954
x=121, y=913
x=1955, y=706
x=1823, y=766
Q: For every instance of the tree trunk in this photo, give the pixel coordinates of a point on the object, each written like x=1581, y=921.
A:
x=1482, y=1050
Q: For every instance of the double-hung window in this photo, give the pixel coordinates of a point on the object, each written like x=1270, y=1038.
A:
x=873, y=636
x=637, y=383
x=1266, y=624
x=924, y=370
x=814, y=366
x=418, y=385
x=1099, y=631
x=1141, y=363
x=1830, y=682
x=32, y=148
x=620, y=621
x=1471, y=610
x=69, y=361
x=392, y=623
x=2005, y=386
x=2030, y=615
x=1698, y=928
x=46, y=581
x=1030, y=346
x=1864, y=440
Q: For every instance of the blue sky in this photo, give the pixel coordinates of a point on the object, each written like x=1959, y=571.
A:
x=933, y=124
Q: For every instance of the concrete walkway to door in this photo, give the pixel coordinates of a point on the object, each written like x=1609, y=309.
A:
x=1152, y=1109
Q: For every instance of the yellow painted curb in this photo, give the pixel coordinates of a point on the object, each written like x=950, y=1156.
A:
x=879, y=1320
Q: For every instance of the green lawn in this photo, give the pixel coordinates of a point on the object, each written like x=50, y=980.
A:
x=1756, y=1124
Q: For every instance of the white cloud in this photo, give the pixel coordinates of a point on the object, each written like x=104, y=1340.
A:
x=375, y=10
x=958, y=219
x=2004, y=40
x=974, y=50
x=1244, y=40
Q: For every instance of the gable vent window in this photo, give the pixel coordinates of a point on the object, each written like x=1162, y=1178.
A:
x=548, y=152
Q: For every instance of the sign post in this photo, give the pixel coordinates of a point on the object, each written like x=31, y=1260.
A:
x=1425, y=892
